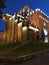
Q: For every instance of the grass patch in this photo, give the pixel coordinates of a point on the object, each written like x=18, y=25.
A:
x=30, y=47
x=6, y=46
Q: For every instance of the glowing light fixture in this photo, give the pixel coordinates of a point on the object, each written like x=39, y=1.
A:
x=33, y=11
x=20, y=19
x=37, y=9
x=30, y=13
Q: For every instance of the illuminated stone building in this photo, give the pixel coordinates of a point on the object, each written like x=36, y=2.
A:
x=41, y=21
x=26, y=24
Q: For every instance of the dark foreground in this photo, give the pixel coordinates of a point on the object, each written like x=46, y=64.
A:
x=42, y=59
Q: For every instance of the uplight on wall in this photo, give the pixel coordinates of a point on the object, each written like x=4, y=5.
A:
x=24, y=28
x=10, y=19
x=13, y=16
x=45, y=31
x=24, y=33
x=8, y=15
x=3, y=18
x=20, y=24
x=44, y=23
x=20, y=31
x=16, y=20
x=32, y=28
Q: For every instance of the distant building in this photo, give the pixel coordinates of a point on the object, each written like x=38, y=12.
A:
x=26, y=24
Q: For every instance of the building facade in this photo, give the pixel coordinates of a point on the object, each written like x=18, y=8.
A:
x=26, y=24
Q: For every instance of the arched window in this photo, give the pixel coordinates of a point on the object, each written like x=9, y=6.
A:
x=45, y=33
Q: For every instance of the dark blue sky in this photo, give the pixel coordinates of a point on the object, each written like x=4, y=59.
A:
x=15, y=5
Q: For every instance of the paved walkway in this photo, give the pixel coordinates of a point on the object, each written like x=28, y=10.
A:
x=38, y=59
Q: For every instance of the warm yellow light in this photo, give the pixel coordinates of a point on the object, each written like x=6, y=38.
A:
x=44, y=23
x=8, y=15
x=35, y=29
x=16, y=20
x=24, y=28
x=10, y=19
x=20, y=24
x=20, y=31
x=3, y=18
x=24, y=33
x=13, y=16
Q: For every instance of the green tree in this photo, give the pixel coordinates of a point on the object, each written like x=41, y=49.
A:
x=2, y=6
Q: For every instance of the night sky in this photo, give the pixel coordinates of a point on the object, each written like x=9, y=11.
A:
x=15, y=5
